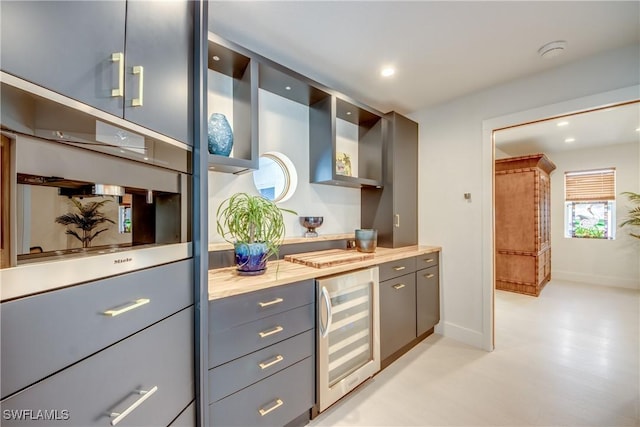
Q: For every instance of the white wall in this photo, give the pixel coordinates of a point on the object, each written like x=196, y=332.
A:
x=454, y=159
x=603, y=262
x=284, y=127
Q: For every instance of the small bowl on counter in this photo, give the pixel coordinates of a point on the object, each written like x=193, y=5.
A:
x=366, y=240
x=311, y=222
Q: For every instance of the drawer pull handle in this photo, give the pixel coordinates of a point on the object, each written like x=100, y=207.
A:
x=275, y=330
x=137, y=303
x=264, y=365
x=397, y=221
x=398, y=286
x=137, y=102
x=430, y=275
x=278, y=403
x=119, y=416
x=272, y=302
x=119, y=58
x=429, y=260
x=399, y=268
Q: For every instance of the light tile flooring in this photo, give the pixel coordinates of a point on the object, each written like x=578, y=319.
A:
x=568, y=358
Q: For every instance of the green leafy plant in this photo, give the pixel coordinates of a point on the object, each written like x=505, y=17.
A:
x=85, y=221
x=633, y=216
x=244, y=218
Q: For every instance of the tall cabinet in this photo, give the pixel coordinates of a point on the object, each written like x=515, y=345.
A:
x=522, y=223
x=393, y=209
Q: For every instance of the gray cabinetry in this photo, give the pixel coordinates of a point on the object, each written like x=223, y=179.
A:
x=261, y=355
x=393, y=209
x=44, y=333
x=147, y=379
x=397, y=313
x=78, y=49
x=427, y=293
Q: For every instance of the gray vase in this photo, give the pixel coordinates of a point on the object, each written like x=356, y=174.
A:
x=220, y=135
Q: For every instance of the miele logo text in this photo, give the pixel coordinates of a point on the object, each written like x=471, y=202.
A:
x=122, y=260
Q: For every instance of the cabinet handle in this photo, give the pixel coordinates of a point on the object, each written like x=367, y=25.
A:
x=137, y=303
x=275, y=330
x=278, y=403
x=264, y=365
x=429, y=260
x=399, y=268
x=327, y=300
x=430, y=275
x=119, y=58
x=137, y=102
x=397, y=222
x=119, y=416
x=272, y=302
x=398, y=286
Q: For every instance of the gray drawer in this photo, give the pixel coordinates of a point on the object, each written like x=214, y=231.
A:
x=232, y=343
x=160, y=356
x=44, y=333
x=240, y=373
x=236, y=310
x=187, y=418
x=392, y=269
x=290, y=392
x=427, y=260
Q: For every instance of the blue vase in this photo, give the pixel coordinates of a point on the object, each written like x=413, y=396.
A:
x=220, y=135
x=251, y=258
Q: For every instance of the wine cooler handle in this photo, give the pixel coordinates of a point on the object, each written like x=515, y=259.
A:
x=327, y=301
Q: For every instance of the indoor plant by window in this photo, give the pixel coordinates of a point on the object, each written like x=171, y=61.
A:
x=254, y=226
x=633, y=216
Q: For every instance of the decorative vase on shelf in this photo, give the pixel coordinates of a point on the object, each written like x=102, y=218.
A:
x=220, y=135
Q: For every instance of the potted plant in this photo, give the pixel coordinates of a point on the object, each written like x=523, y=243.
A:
x=87, y=218
x=254, y=226
x=633, y=216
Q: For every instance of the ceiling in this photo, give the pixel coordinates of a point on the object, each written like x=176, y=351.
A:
x=597, y=128
x=441, y=49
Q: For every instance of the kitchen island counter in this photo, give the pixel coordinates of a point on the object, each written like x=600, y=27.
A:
x=225, y=282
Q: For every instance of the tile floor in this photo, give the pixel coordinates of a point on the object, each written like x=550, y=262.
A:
x=568, y=358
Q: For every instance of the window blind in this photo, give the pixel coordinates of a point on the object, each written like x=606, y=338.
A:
x=594, y=185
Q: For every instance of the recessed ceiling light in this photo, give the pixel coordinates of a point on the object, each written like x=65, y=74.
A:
x=288, y=87
x=638, y=130
x=348, y=113
x=569, y=140
x=553, y=49
x=562, y=123
x=387, y=72
x=216, y=58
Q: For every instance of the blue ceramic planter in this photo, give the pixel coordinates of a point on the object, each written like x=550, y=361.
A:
x=251, y=258
x=220, y=135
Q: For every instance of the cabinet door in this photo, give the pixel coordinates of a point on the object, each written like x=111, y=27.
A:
x=160, y=40
x=405, y=181
x=427, y=299
x=397, y=313
x=66, y=46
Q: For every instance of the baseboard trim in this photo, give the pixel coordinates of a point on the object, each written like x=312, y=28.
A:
x=462, y=334
x=609, y=281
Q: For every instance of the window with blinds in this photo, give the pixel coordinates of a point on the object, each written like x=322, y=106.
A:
x=590, y=203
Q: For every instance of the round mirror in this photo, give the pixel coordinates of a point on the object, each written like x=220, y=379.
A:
x=276, y=178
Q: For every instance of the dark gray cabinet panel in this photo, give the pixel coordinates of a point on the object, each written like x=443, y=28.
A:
x=232, y=343
x=240, y=373
x=393, y=209
x=44, y=333
x=427, y=260
x=187, y=418
x=109, y=382
x=236, y=310
x=66, y=46
x=274, y=401
x=397, y=313
x=396, y=268
x=160, y=39
x=427, y=299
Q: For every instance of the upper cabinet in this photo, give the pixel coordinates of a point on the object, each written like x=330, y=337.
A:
x=232, y=90
x=79, y=50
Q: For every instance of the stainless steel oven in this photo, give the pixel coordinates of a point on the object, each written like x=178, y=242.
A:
x=348, y=333
x=84, y=195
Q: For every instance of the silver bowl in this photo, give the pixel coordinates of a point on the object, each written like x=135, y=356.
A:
x=311, y=222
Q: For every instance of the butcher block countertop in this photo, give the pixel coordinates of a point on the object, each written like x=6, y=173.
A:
x=225, y=282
